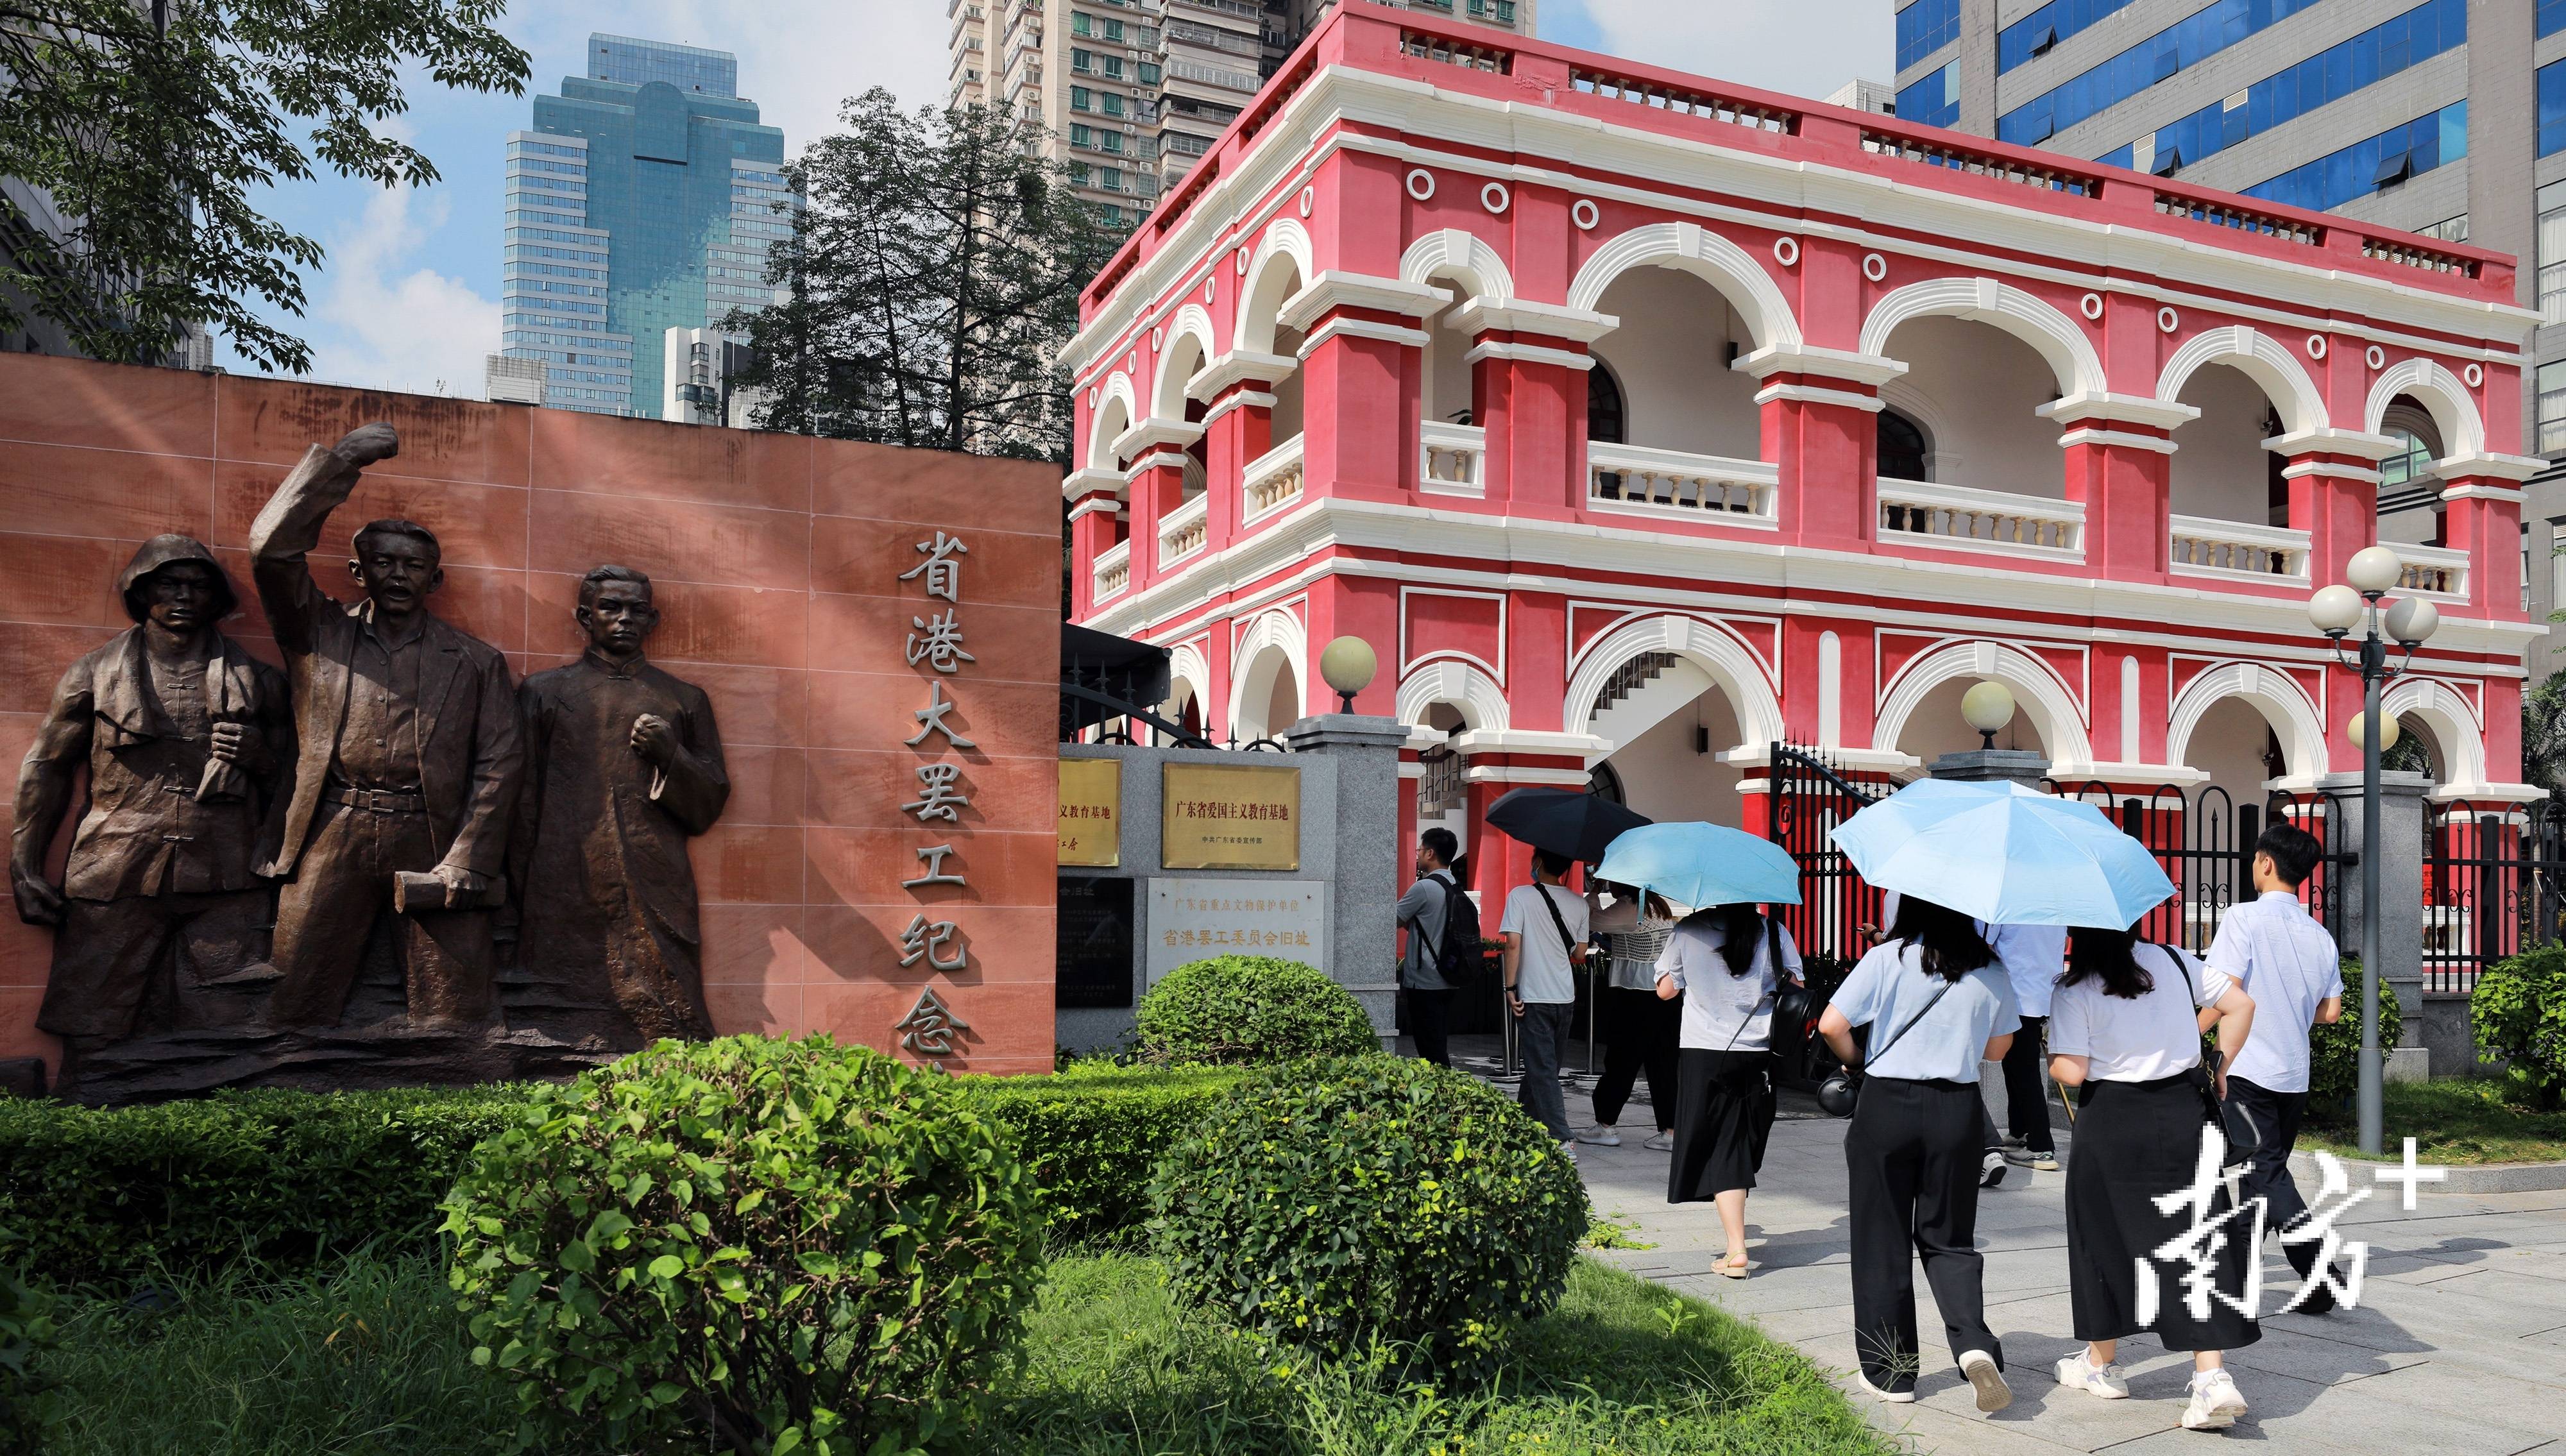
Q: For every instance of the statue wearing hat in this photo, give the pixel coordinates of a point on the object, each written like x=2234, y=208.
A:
x=189, y=741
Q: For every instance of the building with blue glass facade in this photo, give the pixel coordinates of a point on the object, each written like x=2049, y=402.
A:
x=643, y=198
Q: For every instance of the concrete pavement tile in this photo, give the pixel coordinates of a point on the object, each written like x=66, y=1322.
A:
x=2299, y=1418
x=2467, y=1394
x=1963, y=1431
x=2319, y=1360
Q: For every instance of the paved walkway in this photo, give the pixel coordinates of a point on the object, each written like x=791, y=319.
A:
x=2458, y=1346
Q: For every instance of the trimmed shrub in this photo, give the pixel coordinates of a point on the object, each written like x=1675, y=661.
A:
x=26, y=1398
x=2518, y=1012
x=1243, y=1008
x=1372, y=1200
x=2334, y=1052
x=1094, y=1133
x=757, y=1245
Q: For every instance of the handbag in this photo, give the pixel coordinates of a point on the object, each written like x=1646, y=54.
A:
x=2202, y=1077
x=1837, y=1095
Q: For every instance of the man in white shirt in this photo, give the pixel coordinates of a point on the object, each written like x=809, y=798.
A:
x=1545, y=934
x=2033, y=957
x=2287, y=962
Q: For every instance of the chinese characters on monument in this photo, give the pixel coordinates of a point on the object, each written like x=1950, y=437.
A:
x=935, y=639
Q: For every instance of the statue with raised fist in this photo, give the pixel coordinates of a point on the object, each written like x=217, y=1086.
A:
x=622, y=765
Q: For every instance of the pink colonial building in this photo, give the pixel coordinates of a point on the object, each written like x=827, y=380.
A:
x=1641, y=423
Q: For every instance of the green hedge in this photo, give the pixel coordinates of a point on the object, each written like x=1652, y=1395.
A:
x=2518, y=1012
x=287, y=1176
x=1248, y=1010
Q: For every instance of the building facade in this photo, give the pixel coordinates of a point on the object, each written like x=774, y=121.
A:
x=2446, y=118
x=1641, y=423
x=1132, y=92
x=643, y=199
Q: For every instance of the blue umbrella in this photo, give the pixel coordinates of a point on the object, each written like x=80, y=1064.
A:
x=2005, y=854
x=1702, y=864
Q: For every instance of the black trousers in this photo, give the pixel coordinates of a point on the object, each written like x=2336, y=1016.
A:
x=1912, y=1165
x=2026, y=1089
x=1430, y=1021
x=2268, y=1122
x=1641, y=1033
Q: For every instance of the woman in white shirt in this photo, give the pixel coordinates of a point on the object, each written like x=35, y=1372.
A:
x=2125, y=1034
x=1639, y=1028
x=1726, y=963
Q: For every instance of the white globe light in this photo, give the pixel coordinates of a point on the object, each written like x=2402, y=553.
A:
x=1989, y=706
x=2387, y=730
x=2335, y=608
x=2413, y=621
x=2373, y=569
x=1348, y=665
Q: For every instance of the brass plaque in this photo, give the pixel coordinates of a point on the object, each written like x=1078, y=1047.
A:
x=1219, y=817
x=1091, y=812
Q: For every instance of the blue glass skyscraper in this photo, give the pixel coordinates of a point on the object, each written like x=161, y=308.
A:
x=642, y=199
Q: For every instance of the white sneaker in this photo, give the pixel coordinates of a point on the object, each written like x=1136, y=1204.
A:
x=2216, y=1402
x=1989, y=1381
x=2106, y=1383
x=1662, y=1143
x=1992, y=1169
x=1601, y=1135
x=1568, y=1150
x=1887, y=1397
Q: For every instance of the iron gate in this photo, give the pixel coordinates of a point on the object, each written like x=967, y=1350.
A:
x=1810, y=796
x=2494, y=885
x=2204, y=841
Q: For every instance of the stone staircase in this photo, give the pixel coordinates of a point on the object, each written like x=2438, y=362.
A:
x=1642, y=693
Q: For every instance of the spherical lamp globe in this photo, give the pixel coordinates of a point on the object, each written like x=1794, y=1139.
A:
x=2335, y=609
x=2373, y=569
x=2389, y=732
x=1348, y=665
x=1989, y=706
x=2413, y=621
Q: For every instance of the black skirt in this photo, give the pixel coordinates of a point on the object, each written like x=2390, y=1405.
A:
x=1723, y=1117
x=2135, y=1142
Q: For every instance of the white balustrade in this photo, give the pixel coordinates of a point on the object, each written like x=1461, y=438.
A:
x=2235, y=551
x=1184, y=531
x=1271, y=481
x=1671, y=483
x=1113, y=571
x=2433, y=570
x=1958, y=518
x=1451, y=458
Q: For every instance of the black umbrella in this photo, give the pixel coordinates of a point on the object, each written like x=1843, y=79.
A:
x=1563, y=821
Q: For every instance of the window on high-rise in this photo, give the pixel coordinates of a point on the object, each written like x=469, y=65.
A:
x=2412, y=462
x=1081, y=98
x=1110, y=103
x=2551, y=380
x=1108, y=140
x=1150, y=72
x=1113, y=68
x=1934, y=101
x=1110, y=178
x=1084, y=60
x=1079, y=24
x=1080, y=133
x=2187, y=42
x=2433, y=139
x=2552, y=255
x=1926, y=27
x=2035, y=34
x=1113, y=29
x=1078, y=173
x=2552, y=108
x=2552, y=16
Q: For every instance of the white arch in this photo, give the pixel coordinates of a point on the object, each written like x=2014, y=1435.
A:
x=1274, y=641
x=2260, y=357
x=2440, y=393
x=2274, y=694
x=1706, y=255
x=2056, y=336
x=1167, y=396
x=1481, y=702
x=1108, y=425
x=1267, y=285
x=2036, y=688
x=1940, y=460
x=2454, y=722
x=1722, y=657
x=1188, y=676
x=1458, y=251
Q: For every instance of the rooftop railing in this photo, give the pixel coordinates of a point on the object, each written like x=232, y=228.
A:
x=1979, y=163
x=1681, y=102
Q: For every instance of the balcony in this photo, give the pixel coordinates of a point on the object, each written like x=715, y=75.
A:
x=2234, y=550
x=1634, y=480
x=2433, y=571
x=1451, y=459
x=1271, y=482
x=1999, y=523
x=1183, y=532
x=1113, y=573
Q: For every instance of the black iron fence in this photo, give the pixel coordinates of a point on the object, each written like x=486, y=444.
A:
x=2494, y=885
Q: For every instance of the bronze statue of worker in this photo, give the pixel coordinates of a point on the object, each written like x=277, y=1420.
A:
x=622, y=764
x=187, y=740
x=407, y=763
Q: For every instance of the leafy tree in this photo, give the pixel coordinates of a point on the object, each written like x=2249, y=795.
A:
x=931, y=280
x=2543, y=735
x=149, y=124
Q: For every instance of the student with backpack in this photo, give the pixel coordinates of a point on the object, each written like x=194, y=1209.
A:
x=1443, y=951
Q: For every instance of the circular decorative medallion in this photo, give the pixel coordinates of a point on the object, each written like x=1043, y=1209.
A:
x=1787, y=251
x=1585, y=214
x=2474, y=375
x=1242, y=262
x=1421, y=185
x=2167, y=320
x=2092, y=306
x=1309, y=199
x=1157, y=340
x=1494, y=197
x=2378, y=356
x=1874, y=267
x=2316, y=346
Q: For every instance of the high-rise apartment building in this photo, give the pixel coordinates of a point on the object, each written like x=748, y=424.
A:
x=1133, y=91
x=642, y=199
x=2446, y=118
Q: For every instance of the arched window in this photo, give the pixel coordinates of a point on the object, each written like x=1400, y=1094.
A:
x=2412, y=459
x=1901, y=447
x=1604, y=413
x=1604, y=783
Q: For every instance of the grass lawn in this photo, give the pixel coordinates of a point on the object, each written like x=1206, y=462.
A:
x=2454, y=1120
x=371, y=1361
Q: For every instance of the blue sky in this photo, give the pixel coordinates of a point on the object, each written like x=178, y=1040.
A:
x=409, y=296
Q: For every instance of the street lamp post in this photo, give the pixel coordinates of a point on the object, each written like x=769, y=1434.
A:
x=2371, y=573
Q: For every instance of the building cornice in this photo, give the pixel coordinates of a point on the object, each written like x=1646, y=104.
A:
x=1338, y=290
x=1829, y=364
x=2141, y=409
x=1551, y=321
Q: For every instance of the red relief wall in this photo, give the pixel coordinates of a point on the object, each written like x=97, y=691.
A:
x=776, y=561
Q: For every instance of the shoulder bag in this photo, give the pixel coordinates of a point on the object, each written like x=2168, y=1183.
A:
x=1838, y=1094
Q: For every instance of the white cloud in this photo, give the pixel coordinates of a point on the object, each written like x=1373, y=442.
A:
x=1806, y=48
x=382, y=322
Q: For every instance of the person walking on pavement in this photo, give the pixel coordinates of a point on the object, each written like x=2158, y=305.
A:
x=1725, y=964
x=2031, y=956
x=1545, y=934
x=1424, y=911
x=1938, y=1004
x=1640, y=1029
x=2287, y=962
x=2126, y=1038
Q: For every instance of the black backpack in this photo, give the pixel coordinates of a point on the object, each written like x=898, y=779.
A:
x=1459, y=960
